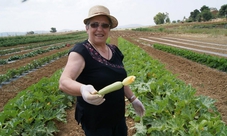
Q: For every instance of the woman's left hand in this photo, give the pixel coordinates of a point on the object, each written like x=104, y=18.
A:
x=138, y=106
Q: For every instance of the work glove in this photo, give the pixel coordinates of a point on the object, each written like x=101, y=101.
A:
x=90, y=95
x=138, y=106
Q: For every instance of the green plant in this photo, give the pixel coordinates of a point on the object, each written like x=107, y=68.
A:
x=11, y=41
x=34, y=110
x=172, y=108
x=34, y=64
x=208, y=60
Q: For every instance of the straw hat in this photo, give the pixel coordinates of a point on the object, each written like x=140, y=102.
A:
x=101, y=10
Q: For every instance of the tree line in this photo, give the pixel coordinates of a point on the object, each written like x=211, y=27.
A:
x=204, y=14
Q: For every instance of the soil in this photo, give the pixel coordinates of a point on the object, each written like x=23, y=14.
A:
x=207, y=81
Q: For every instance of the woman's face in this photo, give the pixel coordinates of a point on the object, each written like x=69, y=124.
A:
x=98, y=29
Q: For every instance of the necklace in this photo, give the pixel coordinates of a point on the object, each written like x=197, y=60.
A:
x=100, y=51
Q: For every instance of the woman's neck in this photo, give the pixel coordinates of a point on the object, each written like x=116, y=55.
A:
x=99, y=47
x=103, y=50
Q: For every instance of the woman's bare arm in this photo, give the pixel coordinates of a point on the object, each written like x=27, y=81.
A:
x=72, y=70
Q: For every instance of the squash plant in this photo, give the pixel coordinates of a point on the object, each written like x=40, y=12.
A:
x=208, y=60
x=171, y=106
x=30, y=66
x=34, y=110
x=31, y=54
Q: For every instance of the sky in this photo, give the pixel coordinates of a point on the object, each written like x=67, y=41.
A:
x=41, y=15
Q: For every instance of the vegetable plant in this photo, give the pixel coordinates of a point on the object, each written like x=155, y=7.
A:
x=208, y=60
x=34, y=110
x=172, y=108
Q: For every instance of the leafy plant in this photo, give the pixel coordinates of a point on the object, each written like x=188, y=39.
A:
x=208, y=60
x=34, y=64
x=15, y=40
x=171, y=106
x=34, y=110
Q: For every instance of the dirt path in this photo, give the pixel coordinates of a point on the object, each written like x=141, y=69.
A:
x=207, y=81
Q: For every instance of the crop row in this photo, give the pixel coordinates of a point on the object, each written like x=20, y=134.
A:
x=30, y=54
x=32, y=46
x=172, y=108
x=30, y=39
x=11, y=41
x=12, y=73
x=34, y=111
x=208, y=60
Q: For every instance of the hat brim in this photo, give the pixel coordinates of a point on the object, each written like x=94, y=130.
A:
x=112, y=19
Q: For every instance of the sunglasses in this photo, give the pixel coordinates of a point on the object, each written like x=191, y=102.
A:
x=96, y=25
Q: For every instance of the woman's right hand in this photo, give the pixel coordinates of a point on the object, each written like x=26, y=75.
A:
x=90, y=95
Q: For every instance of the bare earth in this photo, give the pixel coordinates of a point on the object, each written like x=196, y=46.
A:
x=207, y=81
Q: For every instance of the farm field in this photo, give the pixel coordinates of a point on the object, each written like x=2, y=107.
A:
x=207, y=81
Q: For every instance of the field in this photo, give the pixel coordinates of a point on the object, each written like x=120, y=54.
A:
x=207, y=81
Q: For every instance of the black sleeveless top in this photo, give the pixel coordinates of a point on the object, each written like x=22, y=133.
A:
x=100, y=72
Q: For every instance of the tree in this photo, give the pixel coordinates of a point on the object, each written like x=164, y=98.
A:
x=53, y=30
x=223, y=11
x=30, y=32
x=206, y=15
x=160, y=18
x=194, y=16
x=167, y=20
x=199, y=17
x=204, y=8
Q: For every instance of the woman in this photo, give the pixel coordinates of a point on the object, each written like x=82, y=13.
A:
x=92, y=65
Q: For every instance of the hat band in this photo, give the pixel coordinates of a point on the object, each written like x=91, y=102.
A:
x=100, y=13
